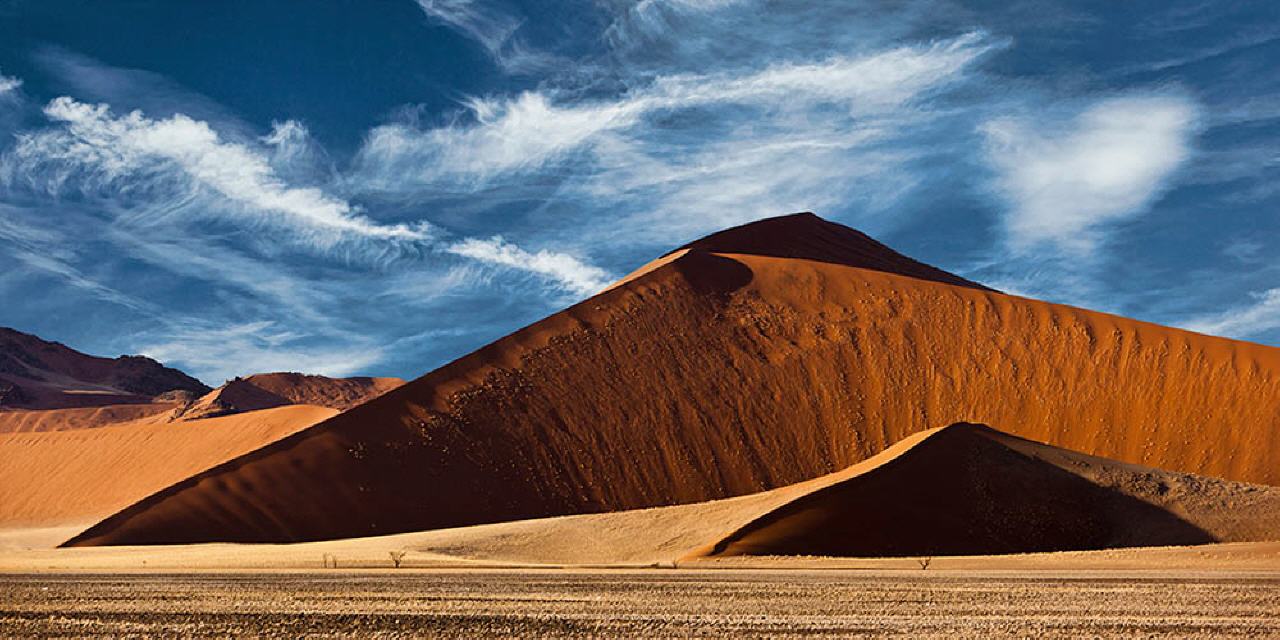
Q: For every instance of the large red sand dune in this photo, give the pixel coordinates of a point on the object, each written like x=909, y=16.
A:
x=758, y=361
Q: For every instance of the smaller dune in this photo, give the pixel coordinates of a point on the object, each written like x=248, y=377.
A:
x=971, y=490
x=268, y=390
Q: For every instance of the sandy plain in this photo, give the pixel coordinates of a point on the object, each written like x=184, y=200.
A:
x=655, y=602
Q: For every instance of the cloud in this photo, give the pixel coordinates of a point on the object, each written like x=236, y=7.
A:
x=101, y=149
x=9, y=84
x=1263, y=314
x=533, y=129
x=181, y=167
x=1063, y=181
x=572, y=273
x=214, y=353
x=491, y=28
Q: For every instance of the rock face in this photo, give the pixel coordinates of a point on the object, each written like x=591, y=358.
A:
x=267, y=390
x=38, y=374
x=756, y=358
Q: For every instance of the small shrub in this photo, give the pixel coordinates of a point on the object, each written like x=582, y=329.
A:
x=397, y=557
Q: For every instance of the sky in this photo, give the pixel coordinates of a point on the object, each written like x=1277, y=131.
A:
x=379, y=187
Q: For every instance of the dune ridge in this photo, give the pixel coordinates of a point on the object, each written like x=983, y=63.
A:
x=728, y=373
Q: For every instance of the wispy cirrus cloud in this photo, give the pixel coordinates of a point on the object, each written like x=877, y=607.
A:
x=534, y=129
x=1260, y=315
x=490, y=27
x=580, y=277
x=1064, y=180
x=96, y=150
x=153, y=171
x=219, y=352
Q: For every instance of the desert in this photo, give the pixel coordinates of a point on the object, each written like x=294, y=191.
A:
x=829, y=438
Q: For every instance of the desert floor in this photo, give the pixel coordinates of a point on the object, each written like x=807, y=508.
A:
x=646, y=602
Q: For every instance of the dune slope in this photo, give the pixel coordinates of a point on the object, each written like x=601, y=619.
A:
x=78, y=477
x=725, y=373
x=84, y=417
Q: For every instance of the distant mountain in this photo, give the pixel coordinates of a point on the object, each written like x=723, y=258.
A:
x=39, y=374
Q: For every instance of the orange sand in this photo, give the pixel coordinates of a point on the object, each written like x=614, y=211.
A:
x=81, y=476
x=728, y=373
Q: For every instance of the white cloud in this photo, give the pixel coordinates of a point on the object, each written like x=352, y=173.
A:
x=1263, y=314
x=181, y=167
x=214, y=354
x=1063, y=181
x=51, y=252
x=572, y=273
x=532, y=129
x=9, y=84
x=491, y=28
x=102, y=148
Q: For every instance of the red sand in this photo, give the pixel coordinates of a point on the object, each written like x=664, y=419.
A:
x=728, y=373
x=81, y=476
x=971, y=490
x=16, y=421
x=266, y=390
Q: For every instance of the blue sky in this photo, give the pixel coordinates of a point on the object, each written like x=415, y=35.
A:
x=379, y=187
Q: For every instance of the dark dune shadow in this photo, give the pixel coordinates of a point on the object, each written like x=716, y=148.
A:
x=806, y=236
x=707, y=273
x=961, y=492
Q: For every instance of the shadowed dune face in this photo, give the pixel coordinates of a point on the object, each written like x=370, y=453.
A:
x=722, y=374
x=805, y=236
x=963, y=492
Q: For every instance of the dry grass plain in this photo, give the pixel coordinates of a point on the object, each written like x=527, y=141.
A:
x=644, y=603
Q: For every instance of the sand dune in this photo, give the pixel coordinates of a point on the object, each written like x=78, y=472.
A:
x=267, y=390
x=78, y=477
x=14, y=421
x=962, y=490
x=971, y=490
x=765, y=363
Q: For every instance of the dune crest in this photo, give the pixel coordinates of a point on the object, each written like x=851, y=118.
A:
x=749, y=363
